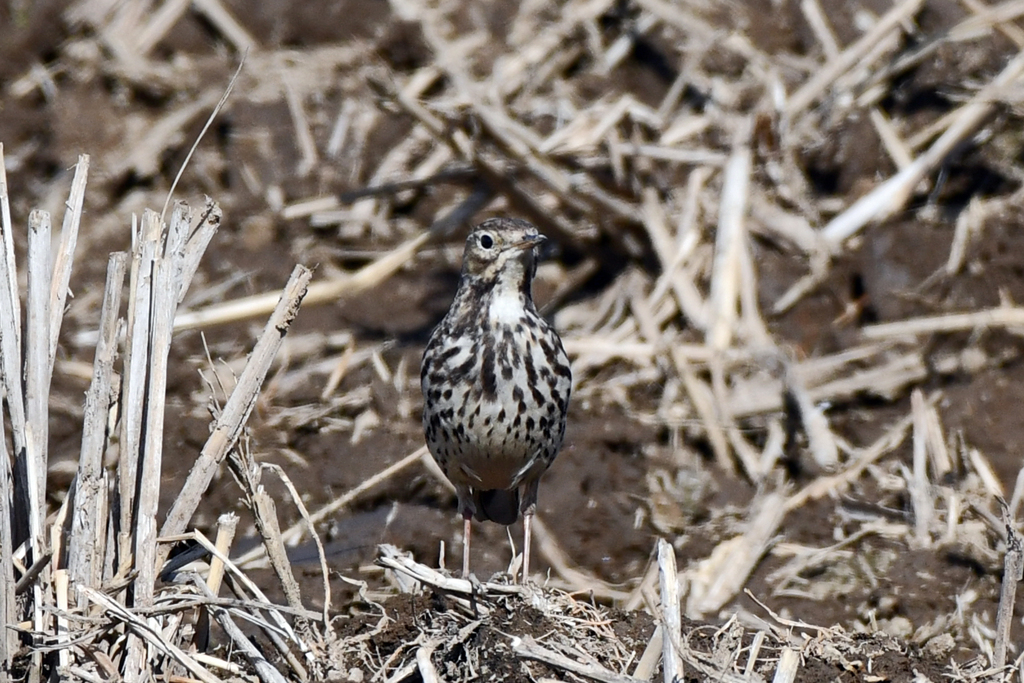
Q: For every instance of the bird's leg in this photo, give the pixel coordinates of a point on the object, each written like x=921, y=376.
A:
x=467, y=517
x=528, y=507
x=527, y=522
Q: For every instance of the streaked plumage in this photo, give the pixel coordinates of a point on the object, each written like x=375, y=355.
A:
x=496, y=381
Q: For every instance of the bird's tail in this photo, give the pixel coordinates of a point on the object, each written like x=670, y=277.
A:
x=498, y=505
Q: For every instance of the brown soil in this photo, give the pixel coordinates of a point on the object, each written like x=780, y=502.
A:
x=597, y=498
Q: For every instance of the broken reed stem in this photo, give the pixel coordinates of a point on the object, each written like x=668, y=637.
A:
x=133, y=385
x=264, y=512
x=1013, y=572
x=37, y=394
x=87, y=545
x=238, y=406
x=8, y=641
x=648, y=663
x=166, y=287
x=198, y=241
x=65, y=255
x=227, y=524
x=423, y=664
x=138, y=493
x=311, y=528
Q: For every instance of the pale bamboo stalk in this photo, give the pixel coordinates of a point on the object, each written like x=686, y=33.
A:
x=986, y=18
x=815, y=17
x=232, y=418
x=561, y=563
x=919, y=486
x=107, y=552
x=951, y=322
x=704, y=402
x=65, y=256
x=7, y=264
x=648, y=663
x=822, y=442
x=264, y=511
x=304, y=513
x=10, y=347
x=898, y=150
x=754, y=329
x=226, y=526
x=160, y=20
x=60, y=589
x=88, y=527
x=10, y=377
x=755, y=651
x=672, y=663
x=729, y=242
x=988, y=477
x=747, y=456
x=37, y=392
x=1018, y=494
x=308, y=157
x=57, y=529
x=938, y=453
x=672, y=259
x=968, y=228
x=789, y=665
x=823, y=486
x=881, y=380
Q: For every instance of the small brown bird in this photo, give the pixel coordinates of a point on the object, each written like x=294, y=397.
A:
x=495, y=382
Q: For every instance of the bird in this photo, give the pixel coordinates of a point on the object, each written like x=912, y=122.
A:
x=496, y=383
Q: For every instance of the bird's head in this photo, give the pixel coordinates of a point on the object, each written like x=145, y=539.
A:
x=502, y=249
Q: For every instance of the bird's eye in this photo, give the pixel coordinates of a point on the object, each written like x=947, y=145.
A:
x=486, y=241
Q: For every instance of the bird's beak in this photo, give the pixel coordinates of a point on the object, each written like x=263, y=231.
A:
x=530, y=242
